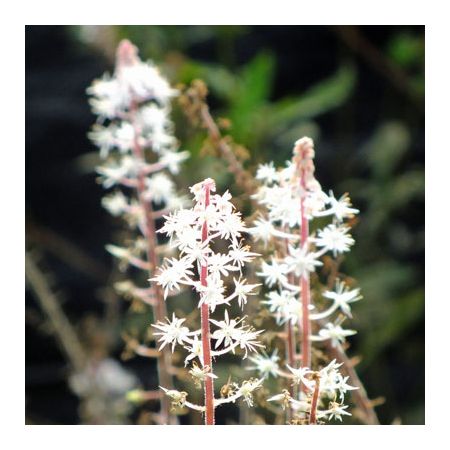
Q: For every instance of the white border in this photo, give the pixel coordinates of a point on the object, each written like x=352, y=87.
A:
x=15, y=434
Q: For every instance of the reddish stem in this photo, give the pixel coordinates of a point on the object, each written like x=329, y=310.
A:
x=304, y=280
x=159, y=308
x=312, y=416
x=290, y=334
x=206, y=340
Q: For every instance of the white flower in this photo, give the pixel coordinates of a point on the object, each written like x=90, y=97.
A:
x=241, y=290
x=199, y=375
x=336, y=411
x=335, y=239
x=227, y=331
x=247, y=388
x=343, y=297
x=284, y=305
x=340, y=208
x=220, y=264
x=336, y=333
x=301, y=262
x=273, y=273
x=212, y=294
x=174, y=273
x=263, y=230
x=159, y=188
x=300, y=376
x=247, y=340
x=230, y=227
x=112, y=173
x=103, y=137
x=172, y=332
x=343, y=387
x=115, y=203
x=172, y=160
x=195, y=351
x=146, y=83
x=266, y=173
x=266, y=365
x=240, y=254
x=124, y=137
x=223, y=204
x=109, y=97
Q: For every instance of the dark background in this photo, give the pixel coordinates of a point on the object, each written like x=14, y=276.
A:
x=358, y=91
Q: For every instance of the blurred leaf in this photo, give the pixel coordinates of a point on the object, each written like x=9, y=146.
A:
x=256, y=79
x=404, y=313
x=406, y=187
x=320, y=98
x=220, y=81
x=386, y=147
x=406, y=50
x=252, y=93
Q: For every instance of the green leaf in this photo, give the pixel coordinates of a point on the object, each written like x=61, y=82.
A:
x=320, y=98
x=386, y=148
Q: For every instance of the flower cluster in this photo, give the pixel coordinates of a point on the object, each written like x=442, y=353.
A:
x=133, y=107
x=198, y=233
x=139, y=154
x=292, y=198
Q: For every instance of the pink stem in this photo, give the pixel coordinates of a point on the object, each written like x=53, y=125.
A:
x=206, y=340
x=312, y=416
x=159, y=308
x=304, y=281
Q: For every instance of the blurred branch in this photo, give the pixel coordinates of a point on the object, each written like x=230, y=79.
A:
x=359, y=395
x=64, y=250
x=63, y=330
x=194, y=104
x=372, y=55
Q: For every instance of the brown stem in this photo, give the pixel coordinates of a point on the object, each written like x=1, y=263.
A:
x=206, y=340
x=359, y=395
x=159, y=309
x=62, y=328
x=242, y=177
x=313, y=414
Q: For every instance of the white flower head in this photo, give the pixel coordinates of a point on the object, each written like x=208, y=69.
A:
x=265, y=365
x=172, y=332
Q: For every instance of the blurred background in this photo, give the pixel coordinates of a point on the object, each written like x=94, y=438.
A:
x=357, y=91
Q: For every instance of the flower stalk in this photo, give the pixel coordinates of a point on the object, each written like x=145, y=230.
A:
x=133, y=107
x=305, y=326
x=206, y=338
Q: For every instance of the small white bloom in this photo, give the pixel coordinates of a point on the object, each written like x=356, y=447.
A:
x=335, y=239
x=172, y=160
x=301, y=262
x=273, y=273
x=112, y=173
x=227, y=331
x=266, y=365
x=336, y=333
x=212, y=294
x=172, y=332
x=300, y=376
x=242, y=290
x=159, y=188
x=115, y=203
x=342, y=297
x=195, y=351
x=247, y=388
x=266, y=173
x=174, y=273
x=340, y=208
